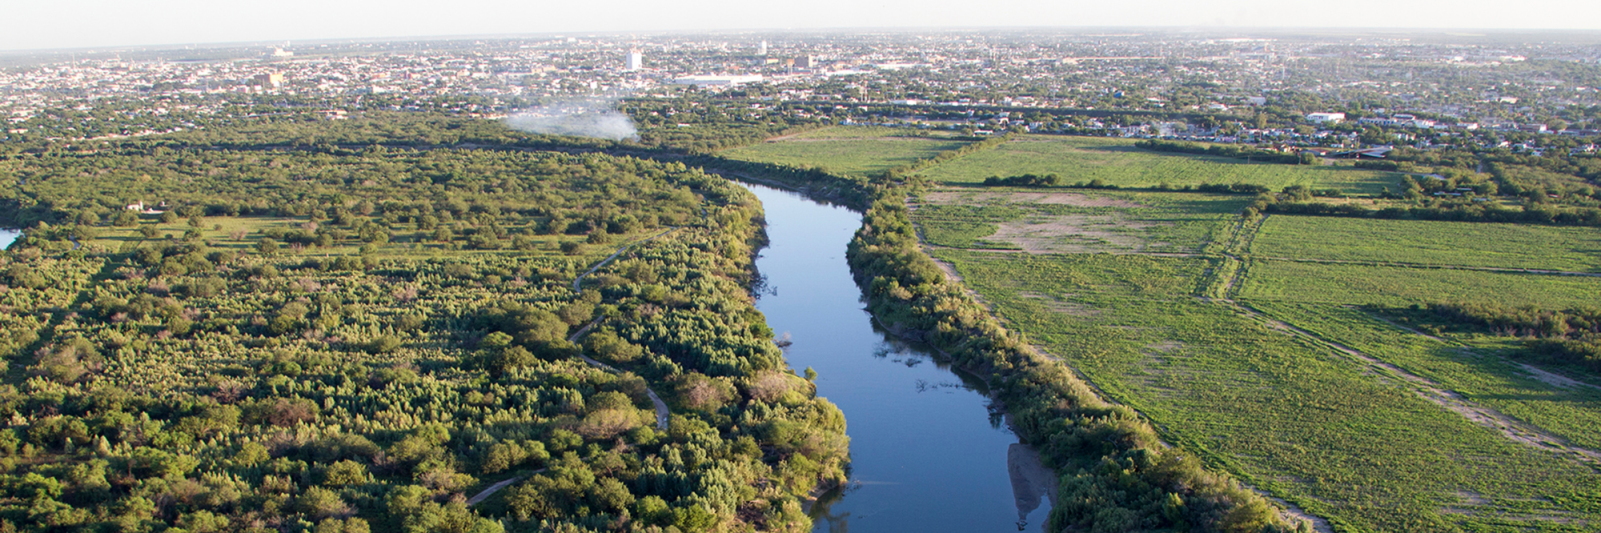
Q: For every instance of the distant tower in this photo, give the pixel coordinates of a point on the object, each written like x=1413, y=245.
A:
x=762, y=50
x=636, y=60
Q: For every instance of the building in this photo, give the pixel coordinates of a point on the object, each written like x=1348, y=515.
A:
x=636, y=60
x=806, y=61
x=717, y=81
x=1326, y=118
x=762, y=50
x=272, y=80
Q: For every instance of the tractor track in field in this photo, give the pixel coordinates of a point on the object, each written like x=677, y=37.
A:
x=1509, y=427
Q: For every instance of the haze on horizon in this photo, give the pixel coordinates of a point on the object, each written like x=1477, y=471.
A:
x=37, y=25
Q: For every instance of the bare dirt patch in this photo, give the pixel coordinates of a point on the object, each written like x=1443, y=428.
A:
x=949, y=270
x=1056, y=198
x=1071, y=234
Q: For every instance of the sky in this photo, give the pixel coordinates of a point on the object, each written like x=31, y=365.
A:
x=54, y=24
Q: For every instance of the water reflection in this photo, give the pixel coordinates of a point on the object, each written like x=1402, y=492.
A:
x=1031, y=481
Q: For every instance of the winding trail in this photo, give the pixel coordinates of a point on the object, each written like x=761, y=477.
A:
x=661, y=407
x=662, y=413
x=492, y=489
x=609, y=258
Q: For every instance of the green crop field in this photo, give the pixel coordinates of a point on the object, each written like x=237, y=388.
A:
x=1571, y=412
x=1427, y=242
x=1118, y=162
x=869, y=132
x=1350, y=284
x=860, y=157
x=1288, y=415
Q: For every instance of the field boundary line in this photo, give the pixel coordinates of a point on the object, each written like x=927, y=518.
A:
x=609, y=258
x=1319, y=523
x=1425, y=266
x=1512, y=428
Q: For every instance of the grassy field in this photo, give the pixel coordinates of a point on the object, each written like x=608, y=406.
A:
x=1118, y=162
x=870, y=132
x=1288, y=415
x=1426, y=242
x=1057, y=221
x=853, y=156
x=1571, y=412
x=1285, y=412
x=1346, y=284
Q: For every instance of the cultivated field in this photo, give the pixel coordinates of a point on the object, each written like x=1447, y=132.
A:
x=1425, y=242
x=1118, y=162
x=1285, y=412
x=1355, y=284
x=1265, y=348
x=852, y=156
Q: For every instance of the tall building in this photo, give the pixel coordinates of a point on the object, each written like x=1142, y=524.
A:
x=762, y=50
x=272, y=80
x=636, y=60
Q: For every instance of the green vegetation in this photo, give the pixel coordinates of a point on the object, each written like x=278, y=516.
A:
x=1432, y=243
x=1116, y=474
x=1118, y=162
x=856, y=157
x=1306, y=387
x=337, y=339
x=1566, y=337
x=1075, y=222
x=1357, y=284
x=1291, y=416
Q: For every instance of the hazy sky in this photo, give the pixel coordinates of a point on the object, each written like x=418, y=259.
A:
x=37, y=24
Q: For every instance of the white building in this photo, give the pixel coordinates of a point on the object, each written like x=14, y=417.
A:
x=1326, y=118
x=717, y=81
x=762, y=50
x=636, y=60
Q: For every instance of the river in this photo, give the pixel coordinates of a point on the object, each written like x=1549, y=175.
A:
x=928, y=450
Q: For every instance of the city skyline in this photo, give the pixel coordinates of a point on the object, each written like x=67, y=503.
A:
x=110, y=24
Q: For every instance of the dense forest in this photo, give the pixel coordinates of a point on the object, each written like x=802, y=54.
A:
x=287, y=333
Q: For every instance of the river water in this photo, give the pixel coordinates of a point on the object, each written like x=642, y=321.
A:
x=928, y=451
x=7, y=236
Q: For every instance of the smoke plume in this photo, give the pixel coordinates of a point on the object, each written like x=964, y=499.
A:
x=582, y=117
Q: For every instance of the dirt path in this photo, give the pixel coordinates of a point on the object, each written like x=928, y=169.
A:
x=662, y=413
x=1289, y=510
x=486, y=493
x=609, y=258
x=1512, y=428
x=1546, y=376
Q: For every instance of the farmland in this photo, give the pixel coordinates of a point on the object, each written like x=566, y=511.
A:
x=1288, y=415
x=1040, y=222
x=845, y=154
x=1423, y=242
x=1354, y=284
x=1118, y=162
x=1288, y=375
